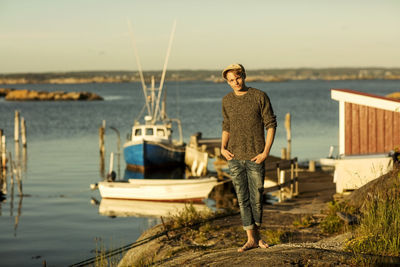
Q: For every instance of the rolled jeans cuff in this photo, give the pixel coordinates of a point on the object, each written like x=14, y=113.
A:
x=252, y=226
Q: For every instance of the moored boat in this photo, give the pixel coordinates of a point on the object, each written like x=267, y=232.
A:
x=159, y=189
x=151, y=144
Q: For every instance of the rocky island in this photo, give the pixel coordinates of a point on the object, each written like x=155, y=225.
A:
x=11, y=94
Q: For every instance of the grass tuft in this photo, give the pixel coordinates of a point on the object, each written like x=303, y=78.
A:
x=332, y=224
x=379, y=229
x=303, y=222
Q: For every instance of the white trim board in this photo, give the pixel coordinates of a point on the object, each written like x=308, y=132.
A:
x=366, y=100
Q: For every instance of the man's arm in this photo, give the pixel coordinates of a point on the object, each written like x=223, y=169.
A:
x=268, y=143
x=224, y=143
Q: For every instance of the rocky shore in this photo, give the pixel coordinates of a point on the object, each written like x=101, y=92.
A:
x=11, y=94
x=291, y=228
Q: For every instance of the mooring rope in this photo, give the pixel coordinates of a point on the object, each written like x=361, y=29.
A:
x=117, y=251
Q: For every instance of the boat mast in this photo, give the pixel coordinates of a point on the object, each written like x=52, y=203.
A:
x=163, y=73
x=139, y=67
x=153, y=94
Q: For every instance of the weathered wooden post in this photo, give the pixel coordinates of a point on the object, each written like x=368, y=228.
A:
x=283, y=153
x=102, y=130
x=291, y=178
x=278, y=170
x=3, y=153
x=288, y=135
x=16, y=126
x=23, y=132
x=281, y=185
x=311, y=166
x=11, y=170
x=296, y=188
x=16, y=153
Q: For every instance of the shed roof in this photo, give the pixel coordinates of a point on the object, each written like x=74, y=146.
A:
x=355, y=97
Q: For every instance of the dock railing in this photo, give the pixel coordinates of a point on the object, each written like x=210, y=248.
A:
x=287, y=173
x=287, y=170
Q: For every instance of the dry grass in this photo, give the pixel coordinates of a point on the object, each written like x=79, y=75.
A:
x=379, y=229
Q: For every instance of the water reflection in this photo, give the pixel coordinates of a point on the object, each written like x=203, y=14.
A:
x=11, y=177
x=140, y=208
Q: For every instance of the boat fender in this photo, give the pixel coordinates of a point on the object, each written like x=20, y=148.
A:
x=111, y=176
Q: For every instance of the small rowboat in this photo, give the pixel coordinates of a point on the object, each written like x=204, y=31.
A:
x=159, y=189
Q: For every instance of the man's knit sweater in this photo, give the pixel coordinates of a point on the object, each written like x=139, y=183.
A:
x=245, y=118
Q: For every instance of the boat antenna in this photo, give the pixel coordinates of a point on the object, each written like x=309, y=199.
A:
x=138, y=65
x=164, y=71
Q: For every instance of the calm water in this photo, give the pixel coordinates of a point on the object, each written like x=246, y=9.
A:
x=55, y=220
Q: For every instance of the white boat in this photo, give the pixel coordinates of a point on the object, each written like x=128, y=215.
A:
x=135, y=208
x=151, y=144
x=159, y=189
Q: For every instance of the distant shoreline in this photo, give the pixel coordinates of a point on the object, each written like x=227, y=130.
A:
x=265, y=75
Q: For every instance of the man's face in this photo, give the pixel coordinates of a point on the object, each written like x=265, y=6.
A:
x=235, y=81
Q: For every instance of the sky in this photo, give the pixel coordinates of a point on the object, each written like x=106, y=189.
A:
x=82, y=35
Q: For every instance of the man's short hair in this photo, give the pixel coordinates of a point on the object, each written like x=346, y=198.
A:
x=236, y=68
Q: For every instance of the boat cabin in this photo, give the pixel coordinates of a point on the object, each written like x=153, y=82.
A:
x=150, y=132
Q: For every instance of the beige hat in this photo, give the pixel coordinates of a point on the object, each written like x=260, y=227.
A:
x=235, y=66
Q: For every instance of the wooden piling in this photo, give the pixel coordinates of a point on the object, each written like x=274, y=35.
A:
x=288, y=135
x=102, y=130
x=281, y=184
x=3, y=153
x=278, y=171
x=283, y=153
x=291, y=178
x=23, y=132
x=12, y=171
x=311, y=166
x=1, y=148
x=16, y=126
x=17, y=157
x=296, y=170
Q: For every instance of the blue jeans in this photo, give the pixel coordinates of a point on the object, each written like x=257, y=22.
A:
x=248, y=181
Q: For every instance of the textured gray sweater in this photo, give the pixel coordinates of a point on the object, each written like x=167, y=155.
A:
x=245, y=118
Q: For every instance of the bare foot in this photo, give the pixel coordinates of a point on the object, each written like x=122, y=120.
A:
x=247, y=246
x=262, y=244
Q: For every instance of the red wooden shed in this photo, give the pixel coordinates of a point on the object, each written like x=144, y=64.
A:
x=368, y=124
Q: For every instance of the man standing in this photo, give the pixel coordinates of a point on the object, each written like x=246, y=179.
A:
x=246, y=112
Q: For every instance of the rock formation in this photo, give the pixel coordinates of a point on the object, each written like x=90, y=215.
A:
x=32, y=95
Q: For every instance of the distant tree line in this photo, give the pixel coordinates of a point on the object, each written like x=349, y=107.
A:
x=204, y=75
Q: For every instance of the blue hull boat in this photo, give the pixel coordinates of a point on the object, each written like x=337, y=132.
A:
x=144, y=155
x=150, y=144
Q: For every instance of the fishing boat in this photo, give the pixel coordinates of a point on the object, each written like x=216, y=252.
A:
x=151, y=143
x=159, y=189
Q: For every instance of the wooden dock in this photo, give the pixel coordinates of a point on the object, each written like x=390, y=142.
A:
x=281, y=174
